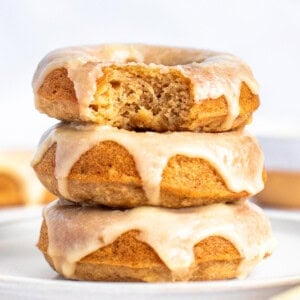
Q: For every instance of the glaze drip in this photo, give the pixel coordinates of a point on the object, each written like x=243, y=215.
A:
x=172, y=233
x=235, y=155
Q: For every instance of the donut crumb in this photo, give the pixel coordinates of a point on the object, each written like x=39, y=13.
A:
x=130, y=97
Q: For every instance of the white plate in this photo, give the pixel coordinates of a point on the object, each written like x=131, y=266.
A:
x=24, y=274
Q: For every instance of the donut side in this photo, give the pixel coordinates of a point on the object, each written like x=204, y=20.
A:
x=155, y=244
x=129, y=259
x=137, y=97
x=106, y=174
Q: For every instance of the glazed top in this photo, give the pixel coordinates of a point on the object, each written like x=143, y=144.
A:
x=212, y=74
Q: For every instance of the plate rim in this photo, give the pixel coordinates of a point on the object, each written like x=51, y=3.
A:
x=152, y=288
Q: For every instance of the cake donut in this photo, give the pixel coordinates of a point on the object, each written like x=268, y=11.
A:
x=282, y=190
x=120, y=168
x=127, y=245
x=18, y=182
x=144, y=87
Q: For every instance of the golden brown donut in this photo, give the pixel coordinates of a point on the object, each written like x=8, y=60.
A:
x=128, y=258
x=18, y=183
x=105, y=173
x=143, y=87
x=281, y=190
x=283, y=167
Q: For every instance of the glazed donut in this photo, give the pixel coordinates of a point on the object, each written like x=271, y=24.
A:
x=143, y=87
x=127, y=245
x=119, y=168
x=18, y=182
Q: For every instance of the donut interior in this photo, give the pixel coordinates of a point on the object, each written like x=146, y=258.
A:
x=142, y=98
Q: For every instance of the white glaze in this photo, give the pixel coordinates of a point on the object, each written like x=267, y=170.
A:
x=235, y=155
x=212, y=74
x=172, y=233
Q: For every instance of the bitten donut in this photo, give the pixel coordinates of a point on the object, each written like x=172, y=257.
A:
x=18, y=182
x=120, y=168
x=143, y=87
x=153, y=243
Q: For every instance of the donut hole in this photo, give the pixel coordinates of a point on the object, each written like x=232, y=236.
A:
x=131, y=60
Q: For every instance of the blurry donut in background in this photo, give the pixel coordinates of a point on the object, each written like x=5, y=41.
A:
x=282, y=188
x=18, y=182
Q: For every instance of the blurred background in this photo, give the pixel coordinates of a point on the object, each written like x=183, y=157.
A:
x=266, y=34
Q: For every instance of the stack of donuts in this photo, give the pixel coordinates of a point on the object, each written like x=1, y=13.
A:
x=150, y=163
